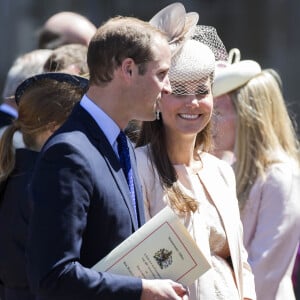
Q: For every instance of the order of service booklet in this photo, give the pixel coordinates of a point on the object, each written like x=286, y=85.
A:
x=162, y=248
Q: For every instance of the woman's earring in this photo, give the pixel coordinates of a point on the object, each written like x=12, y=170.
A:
x=157, y=115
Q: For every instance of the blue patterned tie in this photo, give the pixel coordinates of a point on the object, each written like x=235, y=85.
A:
x=126, y=166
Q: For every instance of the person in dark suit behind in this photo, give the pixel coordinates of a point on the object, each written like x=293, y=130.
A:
x=44, y=102
x=82, y=204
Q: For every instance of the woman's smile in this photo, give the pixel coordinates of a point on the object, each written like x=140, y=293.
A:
x=189, y=116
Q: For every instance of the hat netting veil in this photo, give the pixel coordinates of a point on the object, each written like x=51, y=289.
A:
x=195, y=49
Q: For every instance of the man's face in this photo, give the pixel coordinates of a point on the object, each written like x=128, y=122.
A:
x=149, y=87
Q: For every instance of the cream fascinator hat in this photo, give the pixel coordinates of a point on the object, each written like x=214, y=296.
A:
x=176, y=23
x=195, y=49
x=232, y=74
x=192, y=69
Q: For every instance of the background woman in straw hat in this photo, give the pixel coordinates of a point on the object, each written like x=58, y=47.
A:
x=176, y=169
x=266, y=163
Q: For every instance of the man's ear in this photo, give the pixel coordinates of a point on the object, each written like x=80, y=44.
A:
x=127, y=67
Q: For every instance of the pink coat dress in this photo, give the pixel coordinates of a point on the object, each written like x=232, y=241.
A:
x=215, y=226
x=271, y=220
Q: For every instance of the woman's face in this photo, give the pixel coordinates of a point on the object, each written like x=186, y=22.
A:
x=224, y=123
x=187, y=114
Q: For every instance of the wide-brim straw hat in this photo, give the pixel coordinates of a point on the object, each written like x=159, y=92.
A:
x=232, y=75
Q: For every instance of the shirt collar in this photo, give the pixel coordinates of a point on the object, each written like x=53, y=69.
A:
x=105, y=122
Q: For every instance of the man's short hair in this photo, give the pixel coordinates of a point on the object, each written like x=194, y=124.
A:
x=115, y=40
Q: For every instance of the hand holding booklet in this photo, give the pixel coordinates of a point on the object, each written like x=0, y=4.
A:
x=161, y=249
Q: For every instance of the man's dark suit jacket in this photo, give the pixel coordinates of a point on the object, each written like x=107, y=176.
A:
x=81, y=211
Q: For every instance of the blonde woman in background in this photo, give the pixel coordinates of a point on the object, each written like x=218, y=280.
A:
x=44, y=102
x=250, y=112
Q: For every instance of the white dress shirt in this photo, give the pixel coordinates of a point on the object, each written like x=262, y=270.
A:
x=106, y=123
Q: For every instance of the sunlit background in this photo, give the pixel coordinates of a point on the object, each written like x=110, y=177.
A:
x=264, y=30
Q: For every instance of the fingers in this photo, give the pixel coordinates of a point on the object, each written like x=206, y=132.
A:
x=181, y=290
x=163, y=289
x=187, y=291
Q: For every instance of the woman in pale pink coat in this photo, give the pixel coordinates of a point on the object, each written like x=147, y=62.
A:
x=176, y=169
x=252, y=123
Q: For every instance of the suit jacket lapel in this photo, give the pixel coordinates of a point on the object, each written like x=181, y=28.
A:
x=99, y=140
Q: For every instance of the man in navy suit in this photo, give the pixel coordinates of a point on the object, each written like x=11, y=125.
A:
x=82, y=205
